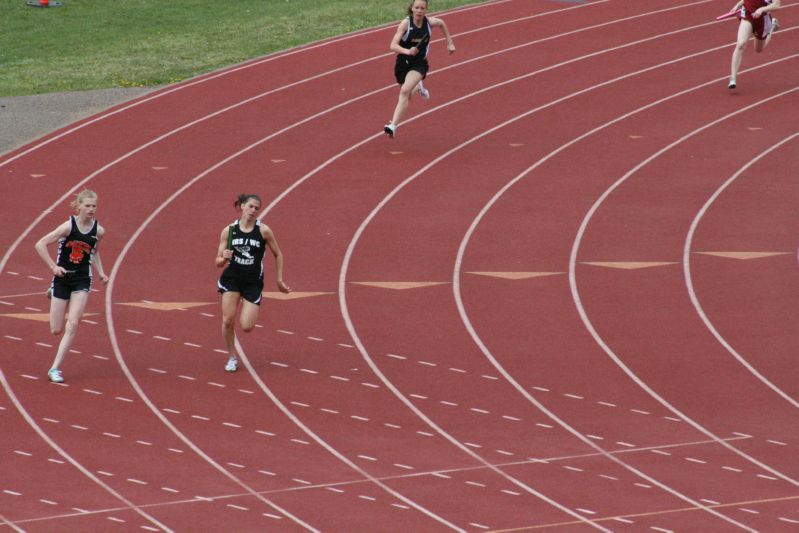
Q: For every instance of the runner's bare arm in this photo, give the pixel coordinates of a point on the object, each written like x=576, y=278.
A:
x=54, y=236
x=223, y=255
x=269, y=237
x=439, y=23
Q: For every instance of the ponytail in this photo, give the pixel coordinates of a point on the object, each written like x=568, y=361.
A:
x=244, y=198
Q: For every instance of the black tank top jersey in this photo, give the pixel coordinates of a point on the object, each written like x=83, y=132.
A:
x=248, y=252
x=414, y=36
x=75, y=250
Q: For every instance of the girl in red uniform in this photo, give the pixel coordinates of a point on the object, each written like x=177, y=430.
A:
x=410, y=43
x=78, y=238
x=756, y=20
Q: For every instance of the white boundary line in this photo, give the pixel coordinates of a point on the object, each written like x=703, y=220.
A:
x=307, y=176
x=221, y=497
x=587, y=321
x=377, y=135
x=134, y=383
x=6, y=522
x=483, y=348
x=333, y=451
x=689, y=281
x=166, y=422
x=58, y=449
x=456, y=284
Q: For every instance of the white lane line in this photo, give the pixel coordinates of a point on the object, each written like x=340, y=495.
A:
x=478, y=218
x=584, y=314
x=32, y=423
x=276, y=401
x=353, y=333
x=109, y=308
x=689, y=279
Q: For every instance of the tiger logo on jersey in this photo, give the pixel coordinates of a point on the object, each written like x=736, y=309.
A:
x=78, y=250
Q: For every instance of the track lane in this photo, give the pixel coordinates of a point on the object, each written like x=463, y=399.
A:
x=408, y=248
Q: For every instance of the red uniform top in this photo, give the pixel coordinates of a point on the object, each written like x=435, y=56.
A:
x=753, y=5
x=761, y=26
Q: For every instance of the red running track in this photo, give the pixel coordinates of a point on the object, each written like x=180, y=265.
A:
x=562, y=298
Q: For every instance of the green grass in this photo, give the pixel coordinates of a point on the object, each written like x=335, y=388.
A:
x=93, y=44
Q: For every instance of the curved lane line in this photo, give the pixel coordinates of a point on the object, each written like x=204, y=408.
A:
x=454, y=101
x=689, y=281
x=6, y=522
x=456, y=283
x=342, y=290
x=165, y=421
x=140, y=229
x=108, y=293
x=11, y=249
x=60, y=451
x=598, y=338
x=333, y=451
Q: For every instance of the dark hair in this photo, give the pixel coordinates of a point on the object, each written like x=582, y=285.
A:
x=244, y=198
x=410, y=6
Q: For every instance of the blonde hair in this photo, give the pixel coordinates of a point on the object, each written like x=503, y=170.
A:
x=82, y=195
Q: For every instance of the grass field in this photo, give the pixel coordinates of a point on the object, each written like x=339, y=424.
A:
x=94, y=44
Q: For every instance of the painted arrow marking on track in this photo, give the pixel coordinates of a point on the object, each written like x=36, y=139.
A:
x=39, y=317
x=400, y=285
x=629, y=265
x=292, y=295
x=165, y=306
x=516, y=275
x=744, y=255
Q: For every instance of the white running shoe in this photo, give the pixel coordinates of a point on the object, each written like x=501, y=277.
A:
x=232, y=365
x=732, y=84
x=55, y=376
x=424, y=93
x=390, y=129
